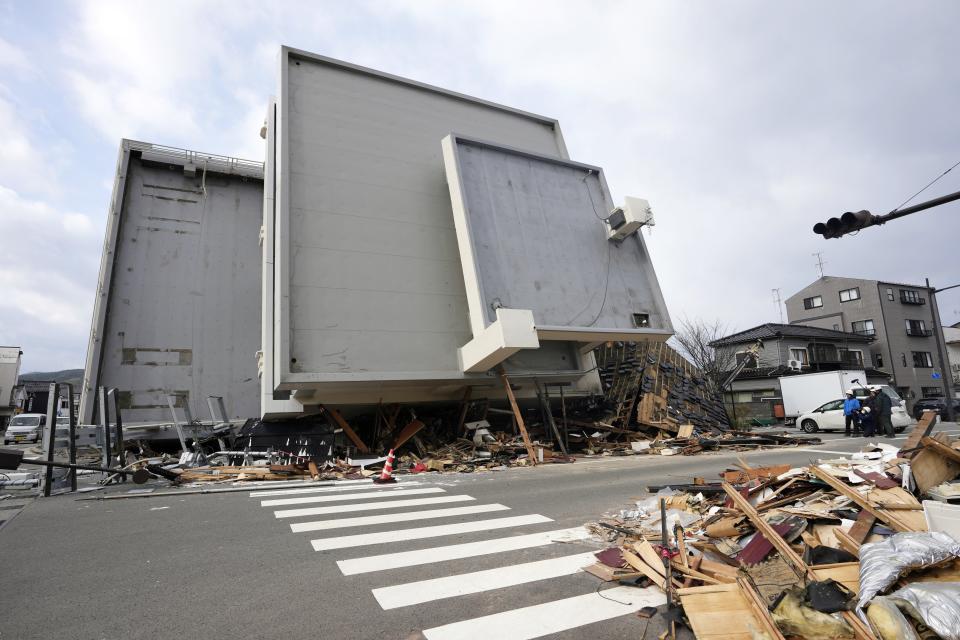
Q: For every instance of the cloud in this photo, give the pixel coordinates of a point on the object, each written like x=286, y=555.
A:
x=48, y=272
x=22, y=162
x=13, y=58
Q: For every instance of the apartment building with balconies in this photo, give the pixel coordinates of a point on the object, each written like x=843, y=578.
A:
x=898, y=316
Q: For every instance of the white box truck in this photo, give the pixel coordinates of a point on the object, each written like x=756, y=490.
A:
x=805, y=392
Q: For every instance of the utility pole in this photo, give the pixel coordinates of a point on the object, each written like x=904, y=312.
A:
x=945, y=373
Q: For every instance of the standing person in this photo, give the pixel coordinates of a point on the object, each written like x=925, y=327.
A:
x=884, y=411
x=868, y=421
x=868, y=414
x=851, y=409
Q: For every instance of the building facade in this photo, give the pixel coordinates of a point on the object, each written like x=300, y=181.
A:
x=788, y=349
x=9, y=372
x=898, y=316
x=951, y=337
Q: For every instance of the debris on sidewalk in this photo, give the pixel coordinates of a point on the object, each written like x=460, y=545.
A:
x=843, y=548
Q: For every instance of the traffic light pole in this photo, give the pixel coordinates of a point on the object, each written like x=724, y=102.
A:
x=945, y=373
x=850, y=221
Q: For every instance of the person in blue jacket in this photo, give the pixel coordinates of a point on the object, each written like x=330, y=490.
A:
x=851, y=414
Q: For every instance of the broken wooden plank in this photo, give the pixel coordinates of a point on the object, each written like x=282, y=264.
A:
x=764, y=527
x=517, y=415
x=347, y=429
x=844, y=490
x=413, y=428
x=924, y=426
x=861, y=528
x=930, y=466
x=943, y=448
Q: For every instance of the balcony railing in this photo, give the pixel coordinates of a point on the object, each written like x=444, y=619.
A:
x=920, y=333
x=914, y=299
x=866, y=332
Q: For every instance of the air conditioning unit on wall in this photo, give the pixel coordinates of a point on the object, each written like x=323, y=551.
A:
x=795, y=365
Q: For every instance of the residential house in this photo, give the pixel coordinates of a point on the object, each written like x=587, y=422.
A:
x=9, y=371
x=788, y=349
x=897, y=315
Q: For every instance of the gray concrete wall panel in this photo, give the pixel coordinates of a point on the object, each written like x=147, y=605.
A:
x=181, y=298
x=364, y=224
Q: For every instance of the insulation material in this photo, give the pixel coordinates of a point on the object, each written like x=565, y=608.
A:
x=881, y=563
x=937, y=604
x=796, y=619
x=887, y=622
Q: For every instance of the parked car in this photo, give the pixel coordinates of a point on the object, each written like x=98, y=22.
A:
x=936, y=404
x=26, y=427
x=829, y=417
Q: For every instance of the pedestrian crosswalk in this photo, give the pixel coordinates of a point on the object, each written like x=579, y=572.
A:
x=400, y=514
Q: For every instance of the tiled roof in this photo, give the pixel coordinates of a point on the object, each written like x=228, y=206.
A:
x=771, y=331
x=776, y=372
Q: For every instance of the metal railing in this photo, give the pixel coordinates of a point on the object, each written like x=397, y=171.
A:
x=919, y=333
x=212, y=161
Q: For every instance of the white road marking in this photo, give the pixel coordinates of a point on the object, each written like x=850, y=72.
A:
x=339, y=497
x=551, y=617
x=368, y=506
x=404, y=595
x=843, y=453
x=299, y=483
x=352, y=487
x=384, y=518
x=418, y=557
x=419, y=533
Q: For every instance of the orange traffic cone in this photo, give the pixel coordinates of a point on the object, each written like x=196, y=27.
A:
x=387, y=476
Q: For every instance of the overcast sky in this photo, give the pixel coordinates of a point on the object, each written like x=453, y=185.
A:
x=743, y=123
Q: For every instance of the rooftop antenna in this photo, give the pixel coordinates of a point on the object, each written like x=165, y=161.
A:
x=820, y=262
x=778, y=301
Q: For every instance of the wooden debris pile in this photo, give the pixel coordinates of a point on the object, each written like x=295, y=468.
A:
x=774, y=552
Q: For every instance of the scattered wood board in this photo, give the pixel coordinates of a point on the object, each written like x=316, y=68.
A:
x=846, y=573
x=725, y=612
x=347, y=429
x=931, y=467
x=924, y=426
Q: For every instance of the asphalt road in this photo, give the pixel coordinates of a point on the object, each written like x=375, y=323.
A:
x=224, y=566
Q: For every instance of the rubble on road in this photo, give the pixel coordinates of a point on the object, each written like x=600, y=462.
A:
x=838, y=549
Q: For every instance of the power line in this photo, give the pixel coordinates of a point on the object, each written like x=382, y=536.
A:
x=926, y=187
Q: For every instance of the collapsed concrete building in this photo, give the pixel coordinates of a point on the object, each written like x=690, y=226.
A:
x=413, y=242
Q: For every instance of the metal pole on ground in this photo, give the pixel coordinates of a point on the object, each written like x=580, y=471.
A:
x=72, y=434
x=50, y=436
x=105, y=425
x=945, y=374
x=121, y=459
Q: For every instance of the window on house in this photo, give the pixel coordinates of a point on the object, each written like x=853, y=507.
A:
x=910, y=297
x=922, y=359
x=903, y=358
x=851, y=356
x=932, y=392
x=846, y=295
x=878, y=360
x=800, y=355
x=822, y=353
x=751, y=358
x=917, y=328
x=763, y=394
x=863, y=327
x=836, y=327
x=890, y=295
x=813, y=303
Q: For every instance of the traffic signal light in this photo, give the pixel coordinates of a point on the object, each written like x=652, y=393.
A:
x=849, y=221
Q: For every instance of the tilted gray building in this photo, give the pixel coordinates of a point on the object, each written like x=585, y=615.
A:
x=177, y=305
x=897, y=315
x=401, y=243
x=415, y=239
